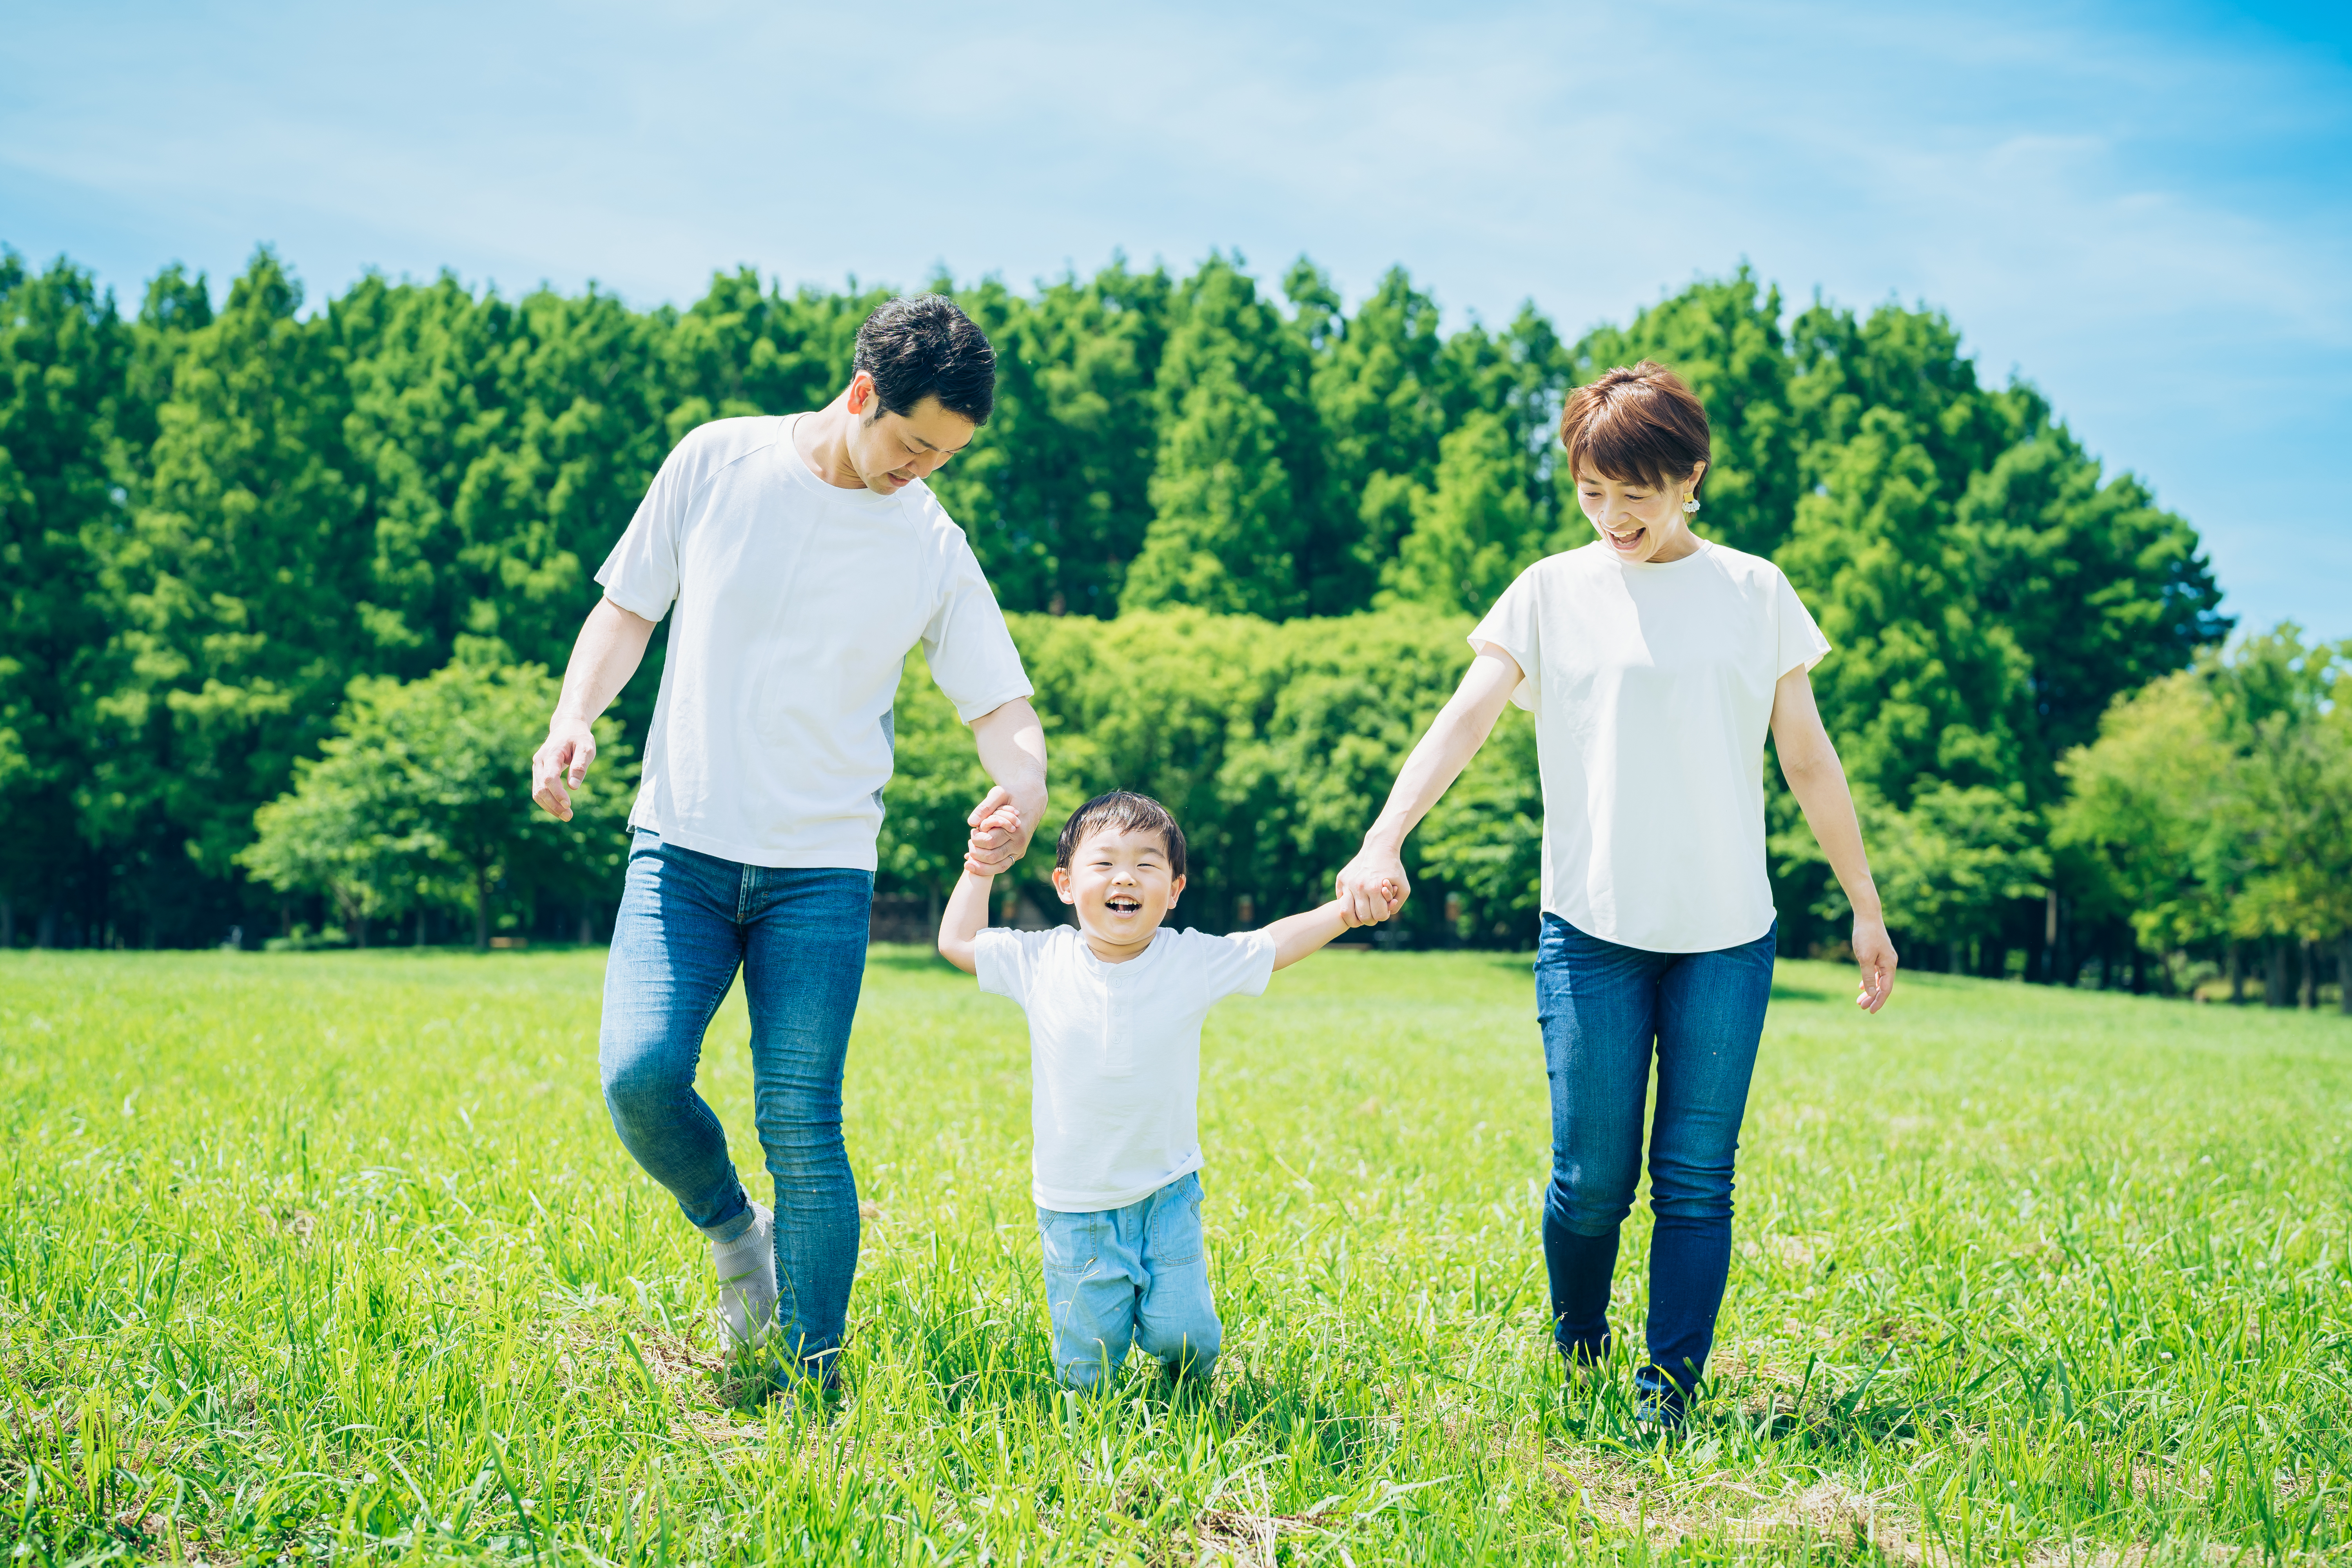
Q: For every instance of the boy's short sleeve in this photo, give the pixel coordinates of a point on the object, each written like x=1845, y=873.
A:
x=1235, y=965
x=1004, y=961
x=1514, y=625
x=1801, y=642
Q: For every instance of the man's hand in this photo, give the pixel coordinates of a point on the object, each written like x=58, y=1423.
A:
x=561, y=759
x=1351, y=920
x=1873, y=951
x=1372, y=886
x=999, y=835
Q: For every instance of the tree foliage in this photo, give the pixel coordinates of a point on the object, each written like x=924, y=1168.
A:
x=1225, y=504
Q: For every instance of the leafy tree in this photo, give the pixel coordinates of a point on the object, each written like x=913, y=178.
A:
x=423, y=794
x=230, y=593
x=1236, y=463
x=1474, y=532
x=2149, y=798
x=63, y=353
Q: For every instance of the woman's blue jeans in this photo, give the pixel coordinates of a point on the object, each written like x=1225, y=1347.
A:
x=687, y=920
x=1603, y=1007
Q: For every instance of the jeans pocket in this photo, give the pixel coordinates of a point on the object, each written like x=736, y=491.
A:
x=1068, y=1241
x=1175, y=1235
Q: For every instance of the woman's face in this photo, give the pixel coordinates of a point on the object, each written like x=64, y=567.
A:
x=1639, y=521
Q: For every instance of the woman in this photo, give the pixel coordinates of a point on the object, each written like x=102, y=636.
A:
x=1654, y=661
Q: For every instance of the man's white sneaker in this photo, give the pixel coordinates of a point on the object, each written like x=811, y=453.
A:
x=747, y=1278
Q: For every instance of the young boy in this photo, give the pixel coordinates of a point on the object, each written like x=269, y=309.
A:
x=1114, y=1009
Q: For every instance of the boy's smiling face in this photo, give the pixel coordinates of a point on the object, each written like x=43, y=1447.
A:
x=1121, y=888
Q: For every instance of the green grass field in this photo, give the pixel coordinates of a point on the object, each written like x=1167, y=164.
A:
x=336, y=1255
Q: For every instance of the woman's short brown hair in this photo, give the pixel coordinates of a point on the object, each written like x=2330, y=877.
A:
x=1638, y=426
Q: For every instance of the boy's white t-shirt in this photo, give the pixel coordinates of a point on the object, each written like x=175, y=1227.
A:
x=1652, y=686
x=796, y=603
x=1115, y=1052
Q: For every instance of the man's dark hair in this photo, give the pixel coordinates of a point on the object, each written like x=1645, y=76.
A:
x=1122, y=811
x=923, y=345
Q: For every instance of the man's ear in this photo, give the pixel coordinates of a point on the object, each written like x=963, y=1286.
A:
x=862, y=399
x=1062, y=884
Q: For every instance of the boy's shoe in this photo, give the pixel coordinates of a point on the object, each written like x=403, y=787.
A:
x=1659, y=1405
x=747, y=1278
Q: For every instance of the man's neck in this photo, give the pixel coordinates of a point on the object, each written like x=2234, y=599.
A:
x=821, y=439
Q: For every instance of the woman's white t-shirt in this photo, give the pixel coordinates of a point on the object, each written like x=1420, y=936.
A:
x=1651, y=689
x=795, y=605
x=1115, y=1052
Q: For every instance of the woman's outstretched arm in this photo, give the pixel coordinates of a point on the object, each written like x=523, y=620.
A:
x=1373, y=886
x=1810, y=763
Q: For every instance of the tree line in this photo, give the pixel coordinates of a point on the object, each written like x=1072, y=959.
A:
x=238, y=534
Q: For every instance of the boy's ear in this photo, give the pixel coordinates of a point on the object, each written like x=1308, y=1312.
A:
x=1174, y=888
x=1062, y=884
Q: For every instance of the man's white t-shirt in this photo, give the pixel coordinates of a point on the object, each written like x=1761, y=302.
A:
x=1652, y=686
x=1115, y=1052
x=796, y=603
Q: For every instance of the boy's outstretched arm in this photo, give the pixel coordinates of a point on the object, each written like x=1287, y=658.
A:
x=967, y=912
x=966, y=918
x=1295, y=936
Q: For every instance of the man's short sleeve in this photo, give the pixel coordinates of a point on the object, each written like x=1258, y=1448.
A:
x=1514, y=625
x=971, y=653
x=1801, y=642
x=1004, y=961
x=1235, y=965
x=641, y=573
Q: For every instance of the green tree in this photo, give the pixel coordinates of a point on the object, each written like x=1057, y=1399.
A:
x=63, y=352
x=2150, y=799
x=1236, y=464
x=230, y=593
x=1055, y=490
x=422, y=794
x=1474, y=532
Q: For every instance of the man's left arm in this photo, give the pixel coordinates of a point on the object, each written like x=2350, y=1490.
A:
x=1012, y=744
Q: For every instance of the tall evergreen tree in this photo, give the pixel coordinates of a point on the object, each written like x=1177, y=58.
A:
x=64, y=355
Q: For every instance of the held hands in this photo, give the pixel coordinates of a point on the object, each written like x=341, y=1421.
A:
x=563, y=757
x=998, y=839
x=1371, y=888
x=1386, y=894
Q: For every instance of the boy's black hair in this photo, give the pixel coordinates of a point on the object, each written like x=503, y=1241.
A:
x=923, y=345
x=1122, y=811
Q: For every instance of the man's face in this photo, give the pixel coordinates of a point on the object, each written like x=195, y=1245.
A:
x=891, y=451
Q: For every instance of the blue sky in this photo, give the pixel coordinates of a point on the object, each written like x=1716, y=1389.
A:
x=2146, y=209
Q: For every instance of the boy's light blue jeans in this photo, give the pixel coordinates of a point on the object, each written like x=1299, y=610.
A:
x=1132, y=1276
x=687, y=922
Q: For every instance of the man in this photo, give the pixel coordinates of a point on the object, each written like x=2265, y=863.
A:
x=803, y=557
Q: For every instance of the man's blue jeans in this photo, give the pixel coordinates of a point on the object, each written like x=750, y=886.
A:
x=1601, y=1007
x=687, y=920
x=1132, y=1276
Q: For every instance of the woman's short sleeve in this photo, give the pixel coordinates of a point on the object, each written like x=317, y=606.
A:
x=1515, y=625
x=1801, y=642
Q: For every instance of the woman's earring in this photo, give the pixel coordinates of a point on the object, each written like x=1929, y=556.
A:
x=1690, y=501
